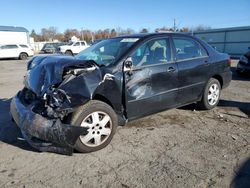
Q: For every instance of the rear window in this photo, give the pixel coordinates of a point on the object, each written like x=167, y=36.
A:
x=9, y=47
x=187, y=49
x=77, y=44
x=24, y=46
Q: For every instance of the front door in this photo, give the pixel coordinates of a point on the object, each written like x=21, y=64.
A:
x=9, y=51
x=152, y=85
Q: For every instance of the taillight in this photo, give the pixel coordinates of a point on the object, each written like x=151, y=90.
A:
x=229, y=61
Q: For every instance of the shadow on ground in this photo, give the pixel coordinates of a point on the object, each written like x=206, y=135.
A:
x=242, y=177
x=9, y=132
x=242, y=106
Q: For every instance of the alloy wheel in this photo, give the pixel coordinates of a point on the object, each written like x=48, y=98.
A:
x=213, y=94
x=99, y=126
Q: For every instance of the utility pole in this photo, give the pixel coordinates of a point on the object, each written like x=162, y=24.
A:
x=82, y=37
x=174, y=25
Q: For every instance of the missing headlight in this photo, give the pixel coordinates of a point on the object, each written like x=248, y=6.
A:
x=56, y=97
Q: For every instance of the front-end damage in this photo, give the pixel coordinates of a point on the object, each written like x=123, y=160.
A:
x=54, y=88
x=42, y=133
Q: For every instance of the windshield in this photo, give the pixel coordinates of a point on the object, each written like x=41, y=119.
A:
x=70, y=43
x=107, y=51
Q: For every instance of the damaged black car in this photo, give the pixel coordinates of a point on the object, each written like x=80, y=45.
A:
x=77, y=102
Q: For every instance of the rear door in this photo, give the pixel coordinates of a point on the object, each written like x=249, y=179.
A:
x=193, y=65
x=152, y=84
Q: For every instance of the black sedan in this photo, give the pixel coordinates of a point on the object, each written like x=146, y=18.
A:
x=77, y=102
x=243, y=67
x=51, y=48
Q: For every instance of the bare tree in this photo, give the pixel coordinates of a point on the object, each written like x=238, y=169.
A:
x=68, y=33
x=144, y=30
x=48, y=34
x=164, y=29
x=201, y=28
x=113, y=33
x=36, y=36
x=184, y=29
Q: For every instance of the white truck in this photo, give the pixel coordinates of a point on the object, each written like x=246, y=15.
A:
x=73, y=47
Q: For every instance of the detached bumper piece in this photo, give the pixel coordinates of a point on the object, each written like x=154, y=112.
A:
x=44, y=134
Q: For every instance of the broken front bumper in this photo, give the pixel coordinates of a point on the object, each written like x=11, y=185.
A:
x=42, y=133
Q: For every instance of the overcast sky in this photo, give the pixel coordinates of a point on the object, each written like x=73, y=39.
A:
x=135, y=14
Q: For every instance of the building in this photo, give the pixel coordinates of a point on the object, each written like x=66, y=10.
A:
x=234, y=41
x=14, y=35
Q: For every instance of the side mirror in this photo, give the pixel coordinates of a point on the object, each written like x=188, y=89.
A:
x=128, y=65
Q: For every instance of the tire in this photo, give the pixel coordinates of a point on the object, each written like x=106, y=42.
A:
x=85, y=116
x=211, y=95
x=23, y=56
x=69, y=52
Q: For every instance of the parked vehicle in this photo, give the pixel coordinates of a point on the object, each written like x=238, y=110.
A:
x=96, y=41
x=51, y=48
x=73, y=48
x=21, y=51
x=77, y=102
x=243, y=65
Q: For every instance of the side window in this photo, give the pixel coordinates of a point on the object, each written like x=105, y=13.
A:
x=9, y=47
x=3, y=47
x=83, y=43
x=187, y=48
x=23, y=46
x=152, y=52
x=77, y=44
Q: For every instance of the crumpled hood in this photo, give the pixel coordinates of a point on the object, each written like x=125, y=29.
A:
x=45, y=71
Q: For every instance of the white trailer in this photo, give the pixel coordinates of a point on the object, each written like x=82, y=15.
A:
x=14, y=35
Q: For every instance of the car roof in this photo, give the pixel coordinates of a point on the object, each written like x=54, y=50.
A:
x=148, y=35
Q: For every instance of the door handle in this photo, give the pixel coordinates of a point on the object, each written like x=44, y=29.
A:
x=171, y=69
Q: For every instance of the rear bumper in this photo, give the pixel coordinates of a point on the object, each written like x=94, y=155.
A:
x=42, y=133
x=227, y=77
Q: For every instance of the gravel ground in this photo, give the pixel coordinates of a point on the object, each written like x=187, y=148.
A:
x=176, y=148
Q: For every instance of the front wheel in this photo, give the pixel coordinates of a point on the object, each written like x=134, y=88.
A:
x=101, y=121
x=68, y=52
x=211, y=95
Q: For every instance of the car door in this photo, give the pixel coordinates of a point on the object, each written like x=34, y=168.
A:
x=9, y=51
x=2, y=52
x=76, y=47
x=83, y=45
x=151, y=86
x=193, y=66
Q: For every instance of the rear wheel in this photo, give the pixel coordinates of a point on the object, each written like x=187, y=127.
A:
x=23, y=56
x=211, y=95
x=101, y=121
x=68, y=52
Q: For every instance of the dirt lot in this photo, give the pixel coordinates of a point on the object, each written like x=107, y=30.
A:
x=177, y=148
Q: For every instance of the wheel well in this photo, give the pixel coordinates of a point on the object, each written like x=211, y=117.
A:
x=219, y=78
x=23, y=53
x=103, y=99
